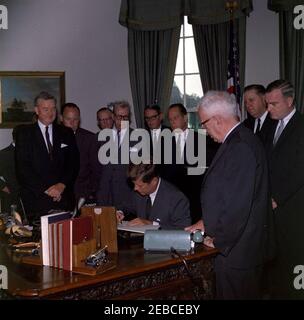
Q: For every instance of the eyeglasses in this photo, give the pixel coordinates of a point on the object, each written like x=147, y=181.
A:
x=119, y=117
x=152, y=117
x=205, y=122
x=104, y=120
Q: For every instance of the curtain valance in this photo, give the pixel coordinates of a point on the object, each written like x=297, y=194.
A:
x=151, y=15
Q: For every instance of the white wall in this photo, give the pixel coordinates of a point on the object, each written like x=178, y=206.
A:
x=84, y=39
x=262, y=45
x=81, y=37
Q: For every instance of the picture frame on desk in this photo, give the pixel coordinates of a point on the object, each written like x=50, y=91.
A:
x=18, y=90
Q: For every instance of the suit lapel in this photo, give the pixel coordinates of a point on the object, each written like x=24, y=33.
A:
x=56, y=140
x=217, y=156
x=287, y=131
x=156, y=207
x=222, y=150
x=40, y=140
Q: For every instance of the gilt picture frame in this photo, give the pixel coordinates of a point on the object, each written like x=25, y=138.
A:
x=18, y=90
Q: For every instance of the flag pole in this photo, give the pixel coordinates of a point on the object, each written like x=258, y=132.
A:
x=233, y=68
x=231, y=6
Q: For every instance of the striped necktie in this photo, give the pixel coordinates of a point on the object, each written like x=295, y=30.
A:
x=279, y=132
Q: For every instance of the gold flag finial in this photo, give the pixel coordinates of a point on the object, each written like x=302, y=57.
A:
x=231, y=6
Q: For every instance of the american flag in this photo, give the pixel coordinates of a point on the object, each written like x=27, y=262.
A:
x=233, y=78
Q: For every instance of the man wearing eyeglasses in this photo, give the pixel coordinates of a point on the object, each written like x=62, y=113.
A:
x=114, y=188
x=153, y=123
x=105, y=118
x=234, y=199
x=153, y=120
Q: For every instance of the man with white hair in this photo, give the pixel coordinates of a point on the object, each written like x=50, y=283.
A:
x=234, y=199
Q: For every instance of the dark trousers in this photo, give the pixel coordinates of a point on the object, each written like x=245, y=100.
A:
x=37, y=206
x=236, y=284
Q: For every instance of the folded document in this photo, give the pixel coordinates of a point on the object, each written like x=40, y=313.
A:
x=138, y=229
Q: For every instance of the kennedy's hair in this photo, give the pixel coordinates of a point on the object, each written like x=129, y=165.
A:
x=219, y=103
x=145, y=172
x=285, y=86
x=43, y=95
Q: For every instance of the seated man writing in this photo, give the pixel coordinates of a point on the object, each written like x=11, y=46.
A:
x=156, y=201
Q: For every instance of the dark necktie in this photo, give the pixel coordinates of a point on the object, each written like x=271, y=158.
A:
x=258, y=128
x=48, y=142
x=154, y=138
x=118, y=146
x=148, y=207
x=178, y=148
x=118, y=138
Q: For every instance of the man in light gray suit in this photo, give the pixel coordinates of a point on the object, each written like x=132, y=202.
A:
x=157, y=201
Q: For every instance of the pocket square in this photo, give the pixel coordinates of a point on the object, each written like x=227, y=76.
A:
x=63, y=145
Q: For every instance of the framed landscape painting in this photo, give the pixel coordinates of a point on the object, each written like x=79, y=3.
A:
x=18, y=91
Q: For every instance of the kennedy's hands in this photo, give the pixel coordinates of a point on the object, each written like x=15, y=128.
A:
x=139, y=222
x=119, y=216
x=55, y=191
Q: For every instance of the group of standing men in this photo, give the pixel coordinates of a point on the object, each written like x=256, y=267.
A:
x=249, y=203
x=251, y=197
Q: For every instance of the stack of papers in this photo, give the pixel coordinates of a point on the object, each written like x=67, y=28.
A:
x=138, y=229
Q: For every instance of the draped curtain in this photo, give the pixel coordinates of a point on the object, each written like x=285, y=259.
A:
x=211, y=44
x=210, y=24
x=153, y=38
x=291, y=47
x=152, y=58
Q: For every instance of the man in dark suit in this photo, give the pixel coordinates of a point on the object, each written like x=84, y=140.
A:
x=155, y=127
x=9, y=186
x=47, y=161
x=114, y=188
x=157, y=201
x=234, y=198
x=177, y=173
x=85, y=139
x=286, y=164
x=153, y=123
x=259, y=120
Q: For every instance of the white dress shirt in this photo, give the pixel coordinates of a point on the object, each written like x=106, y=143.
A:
x=50, y=130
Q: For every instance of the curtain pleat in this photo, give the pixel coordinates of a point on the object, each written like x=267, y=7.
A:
x=152, y=59
x=291, y=55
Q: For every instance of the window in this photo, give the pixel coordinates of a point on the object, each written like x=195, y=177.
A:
x=187, y=87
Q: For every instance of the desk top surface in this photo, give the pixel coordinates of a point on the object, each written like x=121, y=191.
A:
x=32, y=281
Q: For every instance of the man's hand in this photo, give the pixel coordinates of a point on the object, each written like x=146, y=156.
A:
x=119, y=216
x=139, y=222
x=197, y=226
x=6, y=190
x=55, y=191
x=274, y=204
x=209, y=242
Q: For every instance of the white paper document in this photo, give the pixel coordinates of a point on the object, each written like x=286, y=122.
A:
x=138, y=229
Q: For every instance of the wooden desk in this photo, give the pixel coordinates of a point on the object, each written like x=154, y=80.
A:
x=138, y=275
